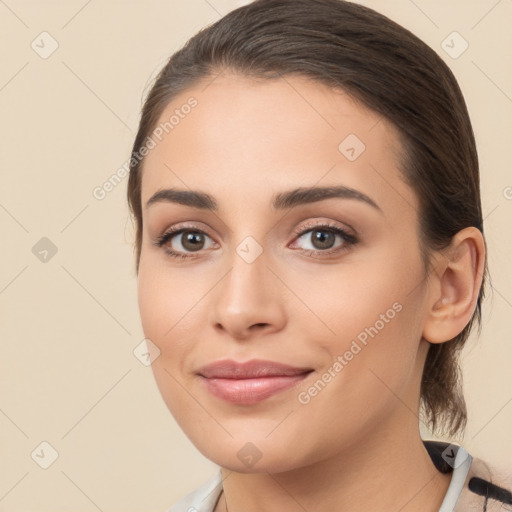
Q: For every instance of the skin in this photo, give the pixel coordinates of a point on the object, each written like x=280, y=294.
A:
x=356, y=445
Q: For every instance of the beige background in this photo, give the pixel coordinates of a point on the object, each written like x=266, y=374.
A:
x=69, y=325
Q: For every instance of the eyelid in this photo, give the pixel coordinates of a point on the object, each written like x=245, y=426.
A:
x=175, y=229
x=324, y=224
x=298, y=231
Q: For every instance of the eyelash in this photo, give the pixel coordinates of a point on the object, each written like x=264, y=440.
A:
x=349, y=240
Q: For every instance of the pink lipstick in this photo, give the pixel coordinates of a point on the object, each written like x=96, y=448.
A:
x=250, y=382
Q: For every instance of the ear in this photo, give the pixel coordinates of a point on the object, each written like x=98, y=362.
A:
x=454, y=286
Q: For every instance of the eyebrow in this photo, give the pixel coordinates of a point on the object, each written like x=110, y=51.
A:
x=281, y=201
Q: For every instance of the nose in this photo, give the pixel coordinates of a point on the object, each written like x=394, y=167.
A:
x=248, y=300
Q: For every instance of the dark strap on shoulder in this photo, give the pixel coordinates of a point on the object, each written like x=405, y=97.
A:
x=489, y=490
x=435, y=450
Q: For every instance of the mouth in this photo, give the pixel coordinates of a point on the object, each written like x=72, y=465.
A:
x=250, y=382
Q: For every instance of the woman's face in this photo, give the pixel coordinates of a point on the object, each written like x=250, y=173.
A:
x=266, y=276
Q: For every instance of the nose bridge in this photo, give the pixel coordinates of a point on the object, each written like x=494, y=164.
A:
x=247, y=295
x=247, y=255
x=248, y=278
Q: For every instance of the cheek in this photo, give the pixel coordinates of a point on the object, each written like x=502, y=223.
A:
x=380, y=291
x=371, y=311
x=155, y=303
x=163, y=316
x=174, y=307
x=367, y=370
x=167, y=303
x=163, y=310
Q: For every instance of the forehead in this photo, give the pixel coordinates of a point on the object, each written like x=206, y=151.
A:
x=253, y=137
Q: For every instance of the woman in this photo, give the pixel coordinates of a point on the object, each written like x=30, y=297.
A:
x=311, y=260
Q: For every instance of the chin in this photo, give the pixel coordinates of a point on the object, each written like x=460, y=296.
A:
x=250, y=457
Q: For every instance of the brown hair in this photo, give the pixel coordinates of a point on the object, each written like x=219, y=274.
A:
x=389, y=69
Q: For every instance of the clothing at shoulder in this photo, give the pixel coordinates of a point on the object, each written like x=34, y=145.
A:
x=202, y=499
x=474, y=486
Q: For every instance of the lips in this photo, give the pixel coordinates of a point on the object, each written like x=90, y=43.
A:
x=228, y=369
x=250, y=382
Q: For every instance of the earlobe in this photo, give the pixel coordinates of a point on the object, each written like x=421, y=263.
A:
x=455, y=286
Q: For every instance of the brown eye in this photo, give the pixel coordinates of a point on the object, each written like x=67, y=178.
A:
x=322, y=239
x=182, y=242
x=192, y=240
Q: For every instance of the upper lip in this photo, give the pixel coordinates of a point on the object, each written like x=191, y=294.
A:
x=229, y=369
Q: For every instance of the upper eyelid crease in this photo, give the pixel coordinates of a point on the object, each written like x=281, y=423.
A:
x=281, y=201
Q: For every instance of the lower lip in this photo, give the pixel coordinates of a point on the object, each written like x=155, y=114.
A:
x=251, y=391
